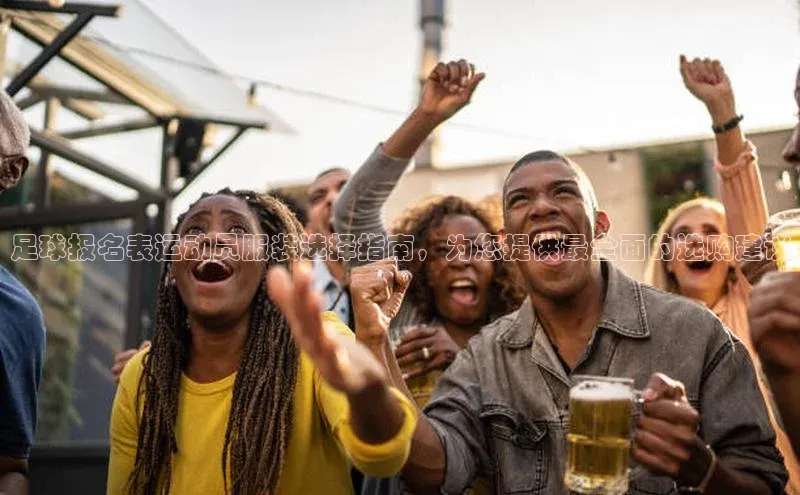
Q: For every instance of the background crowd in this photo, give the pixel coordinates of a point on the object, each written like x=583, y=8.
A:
x=436, y=373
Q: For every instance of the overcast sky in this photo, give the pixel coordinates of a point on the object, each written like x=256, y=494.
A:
x=566, y=73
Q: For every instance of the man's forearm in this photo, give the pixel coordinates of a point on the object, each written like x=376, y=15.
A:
x=381, y=348
x=425, y=469
x=375, y=414
x=725, y=481
x=786, y=391
x=407, y=139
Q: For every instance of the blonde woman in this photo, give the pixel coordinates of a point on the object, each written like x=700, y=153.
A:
x=687, y=265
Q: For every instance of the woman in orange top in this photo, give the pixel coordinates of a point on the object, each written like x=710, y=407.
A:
x=691, y=265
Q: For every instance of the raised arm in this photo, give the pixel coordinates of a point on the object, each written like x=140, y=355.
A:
x=376, y=427
x=358, y=208
x=742, y=191
x=447, y=450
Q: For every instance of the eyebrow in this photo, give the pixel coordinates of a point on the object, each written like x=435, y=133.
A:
x=552, y=185
x=316, y=189
x=562, y=182
x=235, y=214
x=705, y=225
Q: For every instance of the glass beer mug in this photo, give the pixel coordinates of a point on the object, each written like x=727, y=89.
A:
x=785, y=227
x=599, y=437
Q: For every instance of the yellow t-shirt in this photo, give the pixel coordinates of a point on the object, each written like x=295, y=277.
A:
x=421, y=387
x=320, y=445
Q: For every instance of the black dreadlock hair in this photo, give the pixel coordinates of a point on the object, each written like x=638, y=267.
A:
x=260, y=421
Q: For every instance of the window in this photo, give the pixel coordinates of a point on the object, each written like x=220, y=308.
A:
x=674, y=174
x=84, y=305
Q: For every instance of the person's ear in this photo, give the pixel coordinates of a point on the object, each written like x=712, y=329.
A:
x=13, y=168
x=501, y=238
x=602, y=224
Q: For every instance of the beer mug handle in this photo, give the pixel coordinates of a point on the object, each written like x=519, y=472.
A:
x=638, y=402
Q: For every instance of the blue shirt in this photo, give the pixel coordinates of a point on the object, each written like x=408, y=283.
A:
x=22, y=341
x=331, y=290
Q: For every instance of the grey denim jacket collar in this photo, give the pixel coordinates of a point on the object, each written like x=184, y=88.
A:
x=503, y=405
x=623, y=312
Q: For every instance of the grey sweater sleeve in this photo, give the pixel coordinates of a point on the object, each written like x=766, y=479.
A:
x=358, y=209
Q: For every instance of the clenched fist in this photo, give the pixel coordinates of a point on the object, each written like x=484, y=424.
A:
x=449, y=88
x=377, y=291
x=774, y=313
x=707, y=81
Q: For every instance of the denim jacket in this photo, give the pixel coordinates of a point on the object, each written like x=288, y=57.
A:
x=501, y=407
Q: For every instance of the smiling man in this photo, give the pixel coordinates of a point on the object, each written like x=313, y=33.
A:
x=329, y=269
x=502, y=406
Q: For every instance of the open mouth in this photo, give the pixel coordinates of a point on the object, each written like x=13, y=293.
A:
x=212, y=271
x=699, y=266
x=330, y=225
x=549, y=246
x=464, y=292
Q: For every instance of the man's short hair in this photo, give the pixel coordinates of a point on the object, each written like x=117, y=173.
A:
x=330, y=171
x=552, y=156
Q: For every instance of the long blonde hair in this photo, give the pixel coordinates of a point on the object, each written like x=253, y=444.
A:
x=656, y=273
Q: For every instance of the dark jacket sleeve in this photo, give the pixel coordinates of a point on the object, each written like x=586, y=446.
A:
x=734, y=418
x=358, y=209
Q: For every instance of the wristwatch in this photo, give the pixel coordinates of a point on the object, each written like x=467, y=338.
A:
x=701, y=488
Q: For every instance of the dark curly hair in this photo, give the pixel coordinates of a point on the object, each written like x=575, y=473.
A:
x=505, y=293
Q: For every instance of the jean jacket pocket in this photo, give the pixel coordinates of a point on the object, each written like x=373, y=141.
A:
x=519, y=448
x=642, y=482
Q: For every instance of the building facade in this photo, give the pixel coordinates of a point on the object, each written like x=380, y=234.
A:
x=636, y=185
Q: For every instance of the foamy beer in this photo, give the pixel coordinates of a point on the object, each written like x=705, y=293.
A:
x=599, y=437
x=786, y=239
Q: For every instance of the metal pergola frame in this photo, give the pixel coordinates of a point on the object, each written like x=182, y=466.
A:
x=143, y=279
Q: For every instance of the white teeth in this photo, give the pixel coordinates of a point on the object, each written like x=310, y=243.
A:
x=544, y=236
x=200, y=266
x=461, y=283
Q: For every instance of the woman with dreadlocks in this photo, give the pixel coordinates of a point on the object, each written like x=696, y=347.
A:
x=226, y=399
x=458, y=285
